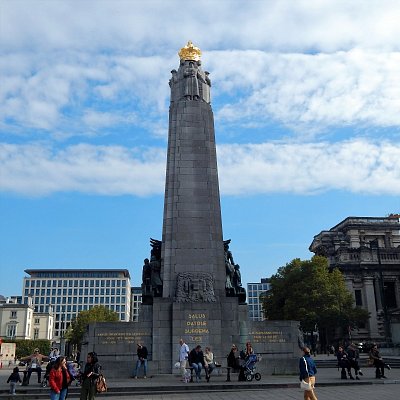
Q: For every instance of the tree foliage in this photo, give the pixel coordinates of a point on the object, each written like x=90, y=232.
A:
x=307, y=292
x=25, y=347
x=78, y=326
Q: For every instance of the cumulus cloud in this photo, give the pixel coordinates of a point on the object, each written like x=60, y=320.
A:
x=71, y=90
x=304, y=92
x=35, y=170
x=313, y=92
x=325, y=25
x=356, y=166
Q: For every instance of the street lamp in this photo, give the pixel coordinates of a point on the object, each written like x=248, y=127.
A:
x=375, y=245
x=62, y=341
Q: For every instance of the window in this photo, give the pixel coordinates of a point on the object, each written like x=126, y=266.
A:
x=13, y=314
x=358, y=297
x=36, y=333
x=390, y=294
x=11, y=330
x=37, y=321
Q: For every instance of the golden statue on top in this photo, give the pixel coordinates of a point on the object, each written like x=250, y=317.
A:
x=190, y=52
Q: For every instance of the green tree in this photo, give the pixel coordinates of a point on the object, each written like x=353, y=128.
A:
x=308, y=292
x=77, y=328
x=26, y=347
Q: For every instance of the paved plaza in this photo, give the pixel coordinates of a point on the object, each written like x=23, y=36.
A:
x=169, y=387
x=369, y=392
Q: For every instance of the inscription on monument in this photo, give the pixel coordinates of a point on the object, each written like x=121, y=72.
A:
x=196, y=325
x=107, y=338
x=267, y=337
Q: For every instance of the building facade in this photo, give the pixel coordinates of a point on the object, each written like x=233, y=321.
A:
x=67, y=292
x=254, y=291
x=367, y=251
x=19, y=321
x=136, y=300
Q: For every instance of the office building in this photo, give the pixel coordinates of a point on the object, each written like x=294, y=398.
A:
x=68, y=291
x=254, y=291
x=136, y=300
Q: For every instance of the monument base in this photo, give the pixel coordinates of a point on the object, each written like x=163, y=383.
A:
x=218, y=325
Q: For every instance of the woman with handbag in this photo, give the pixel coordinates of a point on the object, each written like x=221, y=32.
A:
x=308, y=371
x=89, y=377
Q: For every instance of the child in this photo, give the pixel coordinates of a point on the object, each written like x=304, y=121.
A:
x=14, y=379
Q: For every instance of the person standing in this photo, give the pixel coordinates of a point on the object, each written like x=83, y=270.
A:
x=13, y=379
x=59, y=379
x=308, y=371
x=183, y=357
x=233, y=359
x=142, y=360
x=196, y=361
x=90, y=374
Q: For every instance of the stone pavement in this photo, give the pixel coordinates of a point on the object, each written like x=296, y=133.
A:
x=168, y=387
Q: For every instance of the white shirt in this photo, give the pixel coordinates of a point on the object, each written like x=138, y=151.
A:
x=183, y=352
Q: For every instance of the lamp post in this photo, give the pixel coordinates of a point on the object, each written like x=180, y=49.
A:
x=375, y=244
x=62, y=341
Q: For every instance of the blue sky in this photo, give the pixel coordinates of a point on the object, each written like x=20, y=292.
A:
x=306, y=99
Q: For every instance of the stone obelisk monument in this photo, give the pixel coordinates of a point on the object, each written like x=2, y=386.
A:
x=196, y=302
x=191, y=286
x=192, y=242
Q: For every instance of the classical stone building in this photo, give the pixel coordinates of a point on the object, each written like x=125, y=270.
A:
x=367, y=251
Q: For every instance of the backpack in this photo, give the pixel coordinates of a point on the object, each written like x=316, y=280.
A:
x=101, y=385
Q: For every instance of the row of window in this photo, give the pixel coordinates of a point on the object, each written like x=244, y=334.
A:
x=75, y=292
x=75, y=283
x=79, y=300
x=77, y=308
x=78, y=274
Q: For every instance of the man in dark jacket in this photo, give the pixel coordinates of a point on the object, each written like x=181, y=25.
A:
x=142, y=360
x=353, y=355
x=196, y=361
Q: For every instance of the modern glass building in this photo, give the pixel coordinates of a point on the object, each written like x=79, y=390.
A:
x=69, y=291
x=135, y=302
x=254, y=290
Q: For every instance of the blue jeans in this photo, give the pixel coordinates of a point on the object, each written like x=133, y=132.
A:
x=197, y=369
x=12, y=387
x=138, y=364
x=58, y=396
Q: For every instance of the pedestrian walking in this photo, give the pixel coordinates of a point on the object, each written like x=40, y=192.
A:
x=14, y=379
x=183, y=357
x=308, y=371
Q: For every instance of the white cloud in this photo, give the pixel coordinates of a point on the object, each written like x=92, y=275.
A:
x=311, y=91
x=307, y=93
x=356, y=166
x=34, y=170
x=153, y=25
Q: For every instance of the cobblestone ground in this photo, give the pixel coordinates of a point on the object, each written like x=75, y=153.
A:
x=367, y=392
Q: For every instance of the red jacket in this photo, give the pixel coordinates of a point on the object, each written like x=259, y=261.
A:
x=56, y=379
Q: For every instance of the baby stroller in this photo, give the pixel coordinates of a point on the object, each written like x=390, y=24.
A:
x=249, y=368
x=75, y=373
x=45, y=380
